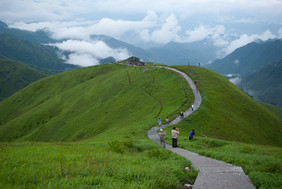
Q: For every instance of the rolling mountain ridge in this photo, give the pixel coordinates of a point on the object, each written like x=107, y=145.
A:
x=15, y=76
x=249, y=58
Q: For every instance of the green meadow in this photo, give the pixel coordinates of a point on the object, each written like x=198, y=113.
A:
x=232, y=127
x=87, y=128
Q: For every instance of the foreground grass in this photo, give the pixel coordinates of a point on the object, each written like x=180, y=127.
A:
x=107, y=110
x=263, y=164
x=117, y=164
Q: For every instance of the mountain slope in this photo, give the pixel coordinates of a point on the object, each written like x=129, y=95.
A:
x=38, y=37
x=102, y=102
x=15, y=76
x=43, y=58
x=249, y=58
x=228, y=113
x=112, y=100
x=265, y=84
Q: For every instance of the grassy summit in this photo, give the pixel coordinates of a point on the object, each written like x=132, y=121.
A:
x=228, y=113
x=103, y=101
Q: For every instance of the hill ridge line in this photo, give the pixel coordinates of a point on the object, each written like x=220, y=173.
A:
x=213, y=174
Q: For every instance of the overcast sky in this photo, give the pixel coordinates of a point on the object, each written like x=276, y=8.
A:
x=229, y=24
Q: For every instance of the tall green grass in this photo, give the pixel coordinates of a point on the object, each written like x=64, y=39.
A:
x=263, y=164
x=104, y=112
x=228, y=113
x=118, y=164
x=101, y=102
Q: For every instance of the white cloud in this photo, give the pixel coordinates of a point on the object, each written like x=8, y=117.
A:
x=82, y=59
x=280, y=33
x=168, y=32
x=199, y=33
x=245, y=39
x=235, y=80
x=216, y=34
x=85, y=53
x=236, y=61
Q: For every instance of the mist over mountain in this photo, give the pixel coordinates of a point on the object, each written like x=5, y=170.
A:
x=249, y=58
x=41, y=57
x=256, y=69
x=181, y=53
x=117, y=44
x=265, y=84
x=39, y=36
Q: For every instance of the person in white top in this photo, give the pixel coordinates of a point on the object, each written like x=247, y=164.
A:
x=174, y=132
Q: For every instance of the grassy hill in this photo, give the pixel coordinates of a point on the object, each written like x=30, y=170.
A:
x=15, y=76
x=40, y=57
x=102, y=114
x=228, y=113
x=103, y=101
x=110, y=105
x=274, y=109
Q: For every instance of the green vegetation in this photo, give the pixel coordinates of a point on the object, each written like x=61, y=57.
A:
x=15, y=76
x=274, y=109
x=228, y=113
x=263, y=164
x=111, y=107
x=40, y=57
x=99, y=116
x=96, y=102
x=120, y=164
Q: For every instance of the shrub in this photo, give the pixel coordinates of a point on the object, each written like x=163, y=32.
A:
x=116, y=146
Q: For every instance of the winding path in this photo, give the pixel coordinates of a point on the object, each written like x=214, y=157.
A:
x=213, y=174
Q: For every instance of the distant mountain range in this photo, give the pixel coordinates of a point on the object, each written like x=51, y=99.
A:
x=41, y=57
x=15, y=76
x=181, y=53
x=249, y=58
x=257, y=67
x=265, y=84
x=171, y=54
x=26, y=47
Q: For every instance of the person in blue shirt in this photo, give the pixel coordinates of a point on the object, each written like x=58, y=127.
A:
x=160, y=122
x=192, y=133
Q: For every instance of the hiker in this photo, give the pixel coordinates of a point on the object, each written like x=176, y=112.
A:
x=192, y=107
x=166, y=120
x=192, y=133
x=162, y=138
x=182, y=114
x=197, y=88
x=160, y=122
x=174, y=133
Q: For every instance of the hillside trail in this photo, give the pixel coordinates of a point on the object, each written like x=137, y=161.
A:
x=213, y=174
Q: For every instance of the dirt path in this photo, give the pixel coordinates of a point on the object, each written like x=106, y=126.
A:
x=213, y=174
